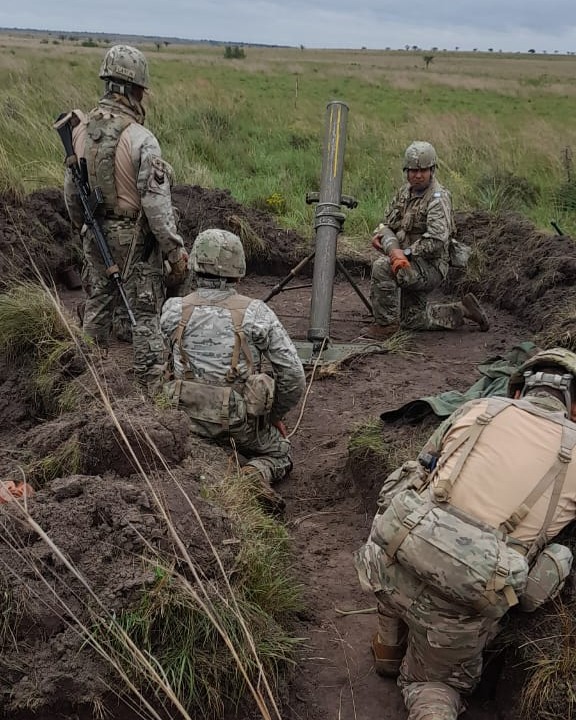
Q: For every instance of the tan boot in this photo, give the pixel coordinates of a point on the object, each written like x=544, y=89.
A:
x=268, y=498
x=387, y=658
x=473, y=311
x=380, y=332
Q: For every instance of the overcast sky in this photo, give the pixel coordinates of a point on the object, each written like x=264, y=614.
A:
x=508, y=25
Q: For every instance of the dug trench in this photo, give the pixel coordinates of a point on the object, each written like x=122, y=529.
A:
x=100, y=514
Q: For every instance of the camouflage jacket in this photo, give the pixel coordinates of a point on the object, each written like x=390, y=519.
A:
x=143, y=179
x=423, y=222
x=208, y=342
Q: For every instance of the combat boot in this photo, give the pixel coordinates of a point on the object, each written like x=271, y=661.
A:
x=473, y=311
x=380, y=332
x=268, y=498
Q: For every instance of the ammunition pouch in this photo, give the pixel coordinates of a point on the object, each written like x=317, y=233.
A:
x=460, y=558
x=215, y=404
x=546, y=577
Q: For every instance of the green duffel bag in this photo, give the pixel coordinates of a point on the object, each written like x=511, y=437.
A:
x=463, y=559
x=546, y=577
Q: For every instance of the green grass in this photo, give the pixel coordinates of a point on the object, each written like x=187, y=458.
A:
x=255, y=126
x=34, y=332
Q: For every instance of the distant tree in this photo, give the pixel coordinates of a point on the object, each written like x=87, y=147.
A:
x=62, y=37
x=474, y=49
x=301, y=47
x=234, y=52
x=166, y=43
x=434, y=49
x=158, y=46
x=456, y=48
x=427, y=60
x=490, y=49
x=532, y=51
x=415, y=47
x=406, y=47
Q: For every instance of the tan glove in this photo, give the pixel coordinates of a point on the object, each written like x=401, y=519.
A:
x=178, y=269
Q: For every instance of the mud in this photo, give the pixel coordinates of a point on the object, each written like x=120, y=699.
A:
x=100, y=513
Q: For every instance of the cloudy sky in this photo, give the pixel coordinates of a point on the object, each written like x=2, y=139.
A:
x=508, y=25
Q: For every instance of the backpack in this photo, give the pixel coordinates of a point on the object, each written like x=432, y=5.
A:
x=463, y=559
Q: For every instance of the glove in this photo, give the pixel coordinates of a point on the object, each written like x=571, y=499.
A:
x=178, y=269
x=398, y=261
x=377, y=242
x=279, y=425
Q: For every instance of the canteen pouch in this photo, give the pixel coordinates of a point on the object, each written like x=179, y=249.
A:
x=258, y=393
x=546, y=577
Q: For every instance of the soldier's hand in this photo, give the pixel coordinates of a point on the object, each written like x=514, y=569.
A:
x=398, y=261
x=377, y=242
x=178, y=268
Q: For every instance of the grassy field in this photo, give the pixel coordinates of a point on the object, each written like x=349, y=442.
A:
x=502, y=124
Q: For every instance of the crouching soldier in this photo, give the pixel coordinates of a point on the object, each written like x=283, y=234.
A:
x=218, y=340
x=466, y=533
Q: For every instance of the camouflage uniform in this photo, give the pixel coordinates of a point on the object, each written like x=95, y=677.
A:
x=423, y=222
x=208, y=341
x=124, y=160
x=498, y=484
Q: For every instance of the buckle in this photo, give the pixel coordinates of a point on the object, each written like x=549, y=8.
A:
x=483, y=419
x=565, y=455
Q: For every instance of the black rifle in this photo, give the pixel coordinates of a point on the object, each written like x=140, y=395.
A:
x=556, y=227
x=90, y=201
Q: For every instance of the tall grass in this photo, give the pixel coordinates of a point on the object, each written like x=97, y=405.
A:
x=256, y=126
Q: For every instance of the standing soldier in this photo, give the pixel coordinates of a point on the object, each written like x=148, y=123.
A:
x=467, y=533
x=219, y=340
x=416, y=238
x=136, y=216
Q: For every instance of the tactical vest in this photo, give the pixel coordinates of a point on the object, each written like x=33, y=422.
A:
x=462, y=558
x=226, y=402
x=102, y=137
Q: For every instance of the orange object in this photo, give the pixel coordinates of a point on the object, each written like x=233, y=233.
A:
x=279, y=425
x=398, y=260
x=9, y=491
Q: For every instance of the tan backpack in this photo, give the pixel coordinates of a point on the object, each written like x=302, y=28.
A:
x=462, y=558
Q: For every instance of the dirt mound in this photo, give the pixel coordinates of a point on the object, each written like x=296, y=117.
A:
x=106, y=519
x=517, y=268
x=36, y=227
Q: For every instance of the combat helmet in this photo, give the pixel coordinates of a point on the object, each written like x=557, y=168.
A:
x=125, y=64
x=420, y=155
x=218, y=252
x=538, y=371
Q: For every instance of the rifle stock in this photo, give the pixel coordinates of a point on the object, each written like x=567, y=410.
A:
x=90, y=201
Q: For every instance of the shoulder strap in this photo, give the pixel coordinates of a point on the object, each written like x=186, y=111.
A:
x=441, y=491
x=237, y=306
x=555, y=476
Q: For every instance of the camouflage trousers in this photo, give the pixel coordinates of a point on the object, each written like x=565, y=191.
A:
x=402, y=298
x=144, y=288
x=260, y=442
x=445, y=641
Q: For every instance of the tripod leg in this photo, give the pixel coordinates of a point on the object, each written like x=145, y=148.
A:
x=352, y=282
x=292, y=274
